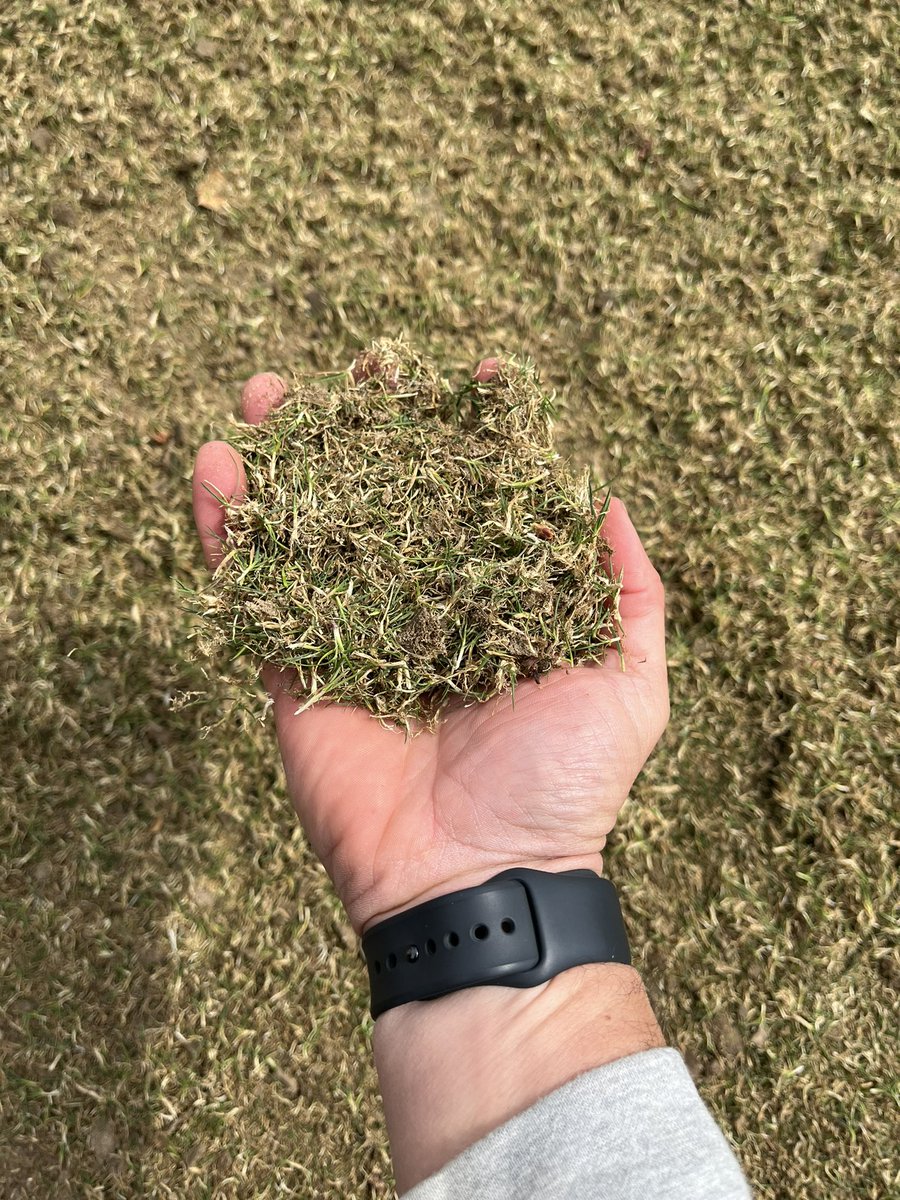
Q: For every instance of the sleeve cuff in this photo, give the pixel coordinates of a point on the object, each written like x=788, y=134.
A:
x=635, y=1129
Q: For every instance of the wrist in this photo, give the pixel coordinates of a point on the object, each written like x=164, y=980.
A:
x=455, y=1068
x=397, y=900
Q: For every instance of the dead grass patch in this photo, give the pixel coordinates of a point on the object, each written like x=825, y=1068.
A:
x=405, y=543
x=687, y=216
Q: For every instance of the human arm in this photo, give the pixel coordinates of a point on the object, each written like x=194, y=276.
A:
x=453, y=1069
x=398, y=820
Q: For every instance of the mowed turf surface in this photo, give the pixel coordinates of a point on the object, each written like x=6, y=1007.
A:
x=686, y=213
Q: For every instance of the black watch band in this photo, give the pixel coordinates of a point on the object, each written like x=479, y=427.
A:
x=518, y=929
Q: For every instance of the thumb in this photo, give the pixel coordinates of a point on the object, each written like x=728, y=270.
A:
x=642, y=602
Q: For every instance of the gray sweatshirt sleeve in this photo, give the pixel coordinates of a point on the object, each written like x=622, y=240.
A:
x=635, y=1129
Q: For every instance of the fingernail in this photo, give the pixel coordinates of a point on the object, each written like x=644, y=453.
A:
x=487, y=370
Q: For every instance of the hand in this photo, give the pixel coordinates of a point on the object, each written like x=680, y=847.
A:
x=535, y=783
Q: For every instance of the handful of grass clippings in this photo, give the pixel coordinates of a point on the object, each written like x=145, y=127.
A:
x=403, y=544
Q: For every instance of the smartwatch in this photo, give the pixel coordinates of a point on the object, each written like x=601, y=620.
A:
x=518, y=929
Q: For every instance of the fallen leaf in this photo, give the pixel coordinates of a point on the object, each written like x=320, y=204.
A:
x=193, y=158
x=41, y=139
x=192, y=1155
x=63, y=214
x=102, y=1138
x=347, y=935
x=214, y=192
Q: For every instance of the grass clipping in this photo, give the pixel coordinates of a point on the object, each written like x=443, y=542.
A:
x=404, y=545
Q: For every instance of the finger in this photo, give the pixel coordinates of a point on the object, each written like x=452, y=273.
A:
x=642, y=602
x=487, y=370
x=219, y=480
x=219, y=477
x=261, y=394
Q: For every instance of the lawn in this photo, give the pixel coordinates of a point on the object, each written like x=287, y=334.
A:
x=686, y=214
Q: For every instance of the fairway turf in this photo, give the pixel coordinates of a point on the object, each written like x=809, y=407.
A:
x=686, y=215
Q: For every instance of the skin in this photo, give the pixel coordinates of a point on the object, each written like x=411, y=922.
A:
x=398, y=820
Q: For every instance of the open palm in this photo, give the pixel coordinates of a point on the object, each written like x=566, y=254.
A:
x=533, y=782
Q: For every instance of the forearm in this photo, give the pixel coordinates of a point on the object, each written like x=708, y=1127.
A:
x=453, y=1069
